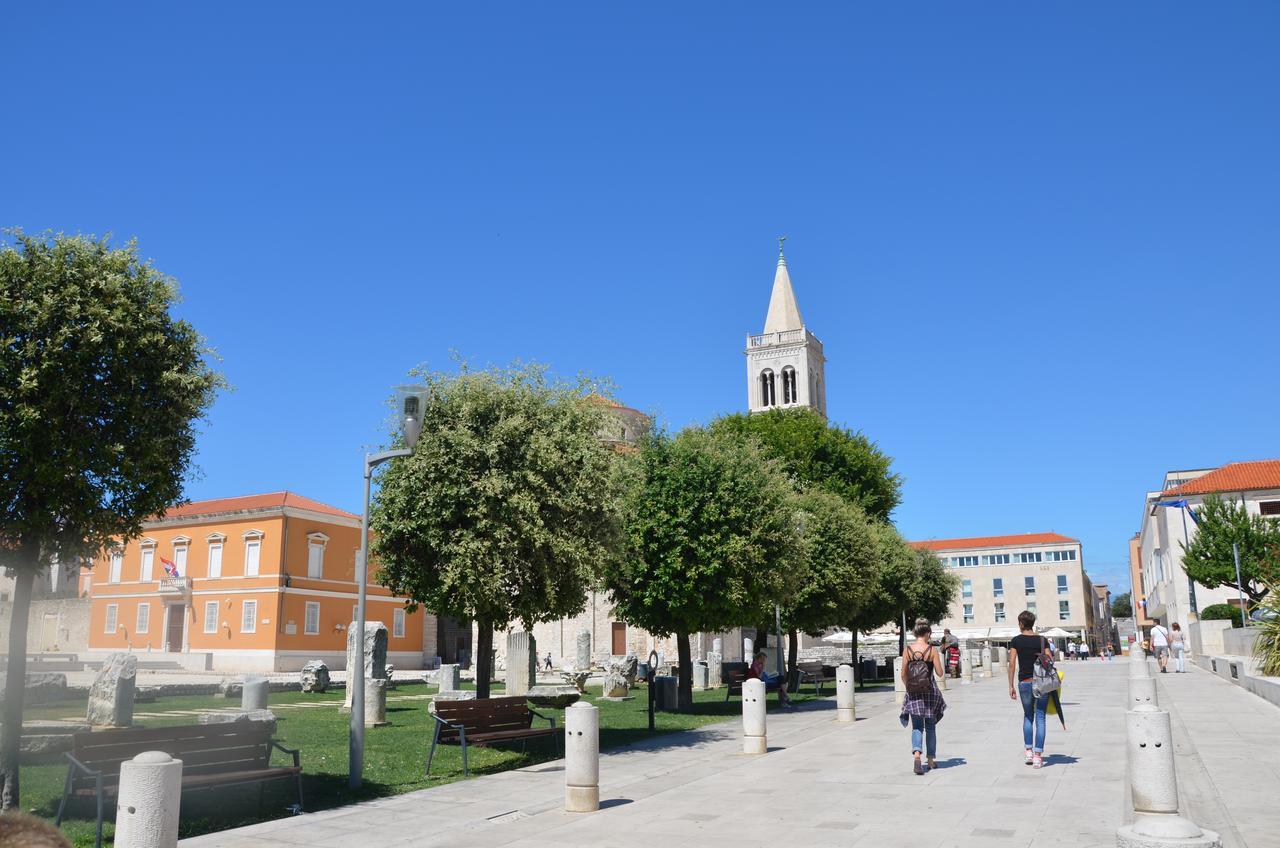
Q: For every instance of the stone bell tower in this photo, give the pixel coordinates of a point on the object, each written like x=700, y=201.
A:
x=785, y=363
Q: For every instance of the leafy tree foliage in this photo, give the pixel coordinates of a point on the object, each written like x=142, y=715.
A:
x=1209, y=560
x=1220, y=612
x=99, y=390
x=1122, y=606
x=507, y=509
x=711, y=530
x=912, y=582
x=841, y=461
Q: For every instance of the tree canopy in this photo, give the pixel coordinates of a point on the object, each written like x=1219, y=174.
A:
x=914, y=582
x=838, y=560
x=710, y=530
x=100, y=389
x=1209, y=559
x=508, y=507
x=841, y=461
x=1121, y=606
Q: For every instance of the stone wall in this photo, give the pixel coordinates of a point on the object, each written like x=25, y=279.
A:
x=70, y=617
x=1238, y=641
x=1206, y=636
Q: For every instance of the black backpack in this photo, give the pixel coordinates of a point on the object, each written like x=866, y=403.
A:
x=920, y=673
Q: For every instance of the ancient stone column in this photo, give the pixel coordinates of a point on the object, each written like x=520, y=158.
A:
x=253, y=694
x=899, y=688
x=715, y=669
x=844, y=693
x=581, y=758
x=448, y=679
x=375, y=656
x=717, y=646
x=1154, y=787
x=522, y=662
x=748, y=650
x=111, y=695
x=754, y=740
x=582, y=661
x=701, y=675
x=375, y=701
x=147, y=801
x=966, y=667
x=1142, y=692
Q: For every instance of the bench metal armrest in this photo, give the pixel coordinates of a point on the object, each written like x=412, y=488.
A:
x=76, y=765
x=543, y=717
x=297, y=763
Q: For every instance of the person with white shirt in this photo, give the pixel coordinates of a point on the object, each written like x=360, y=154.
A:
x=1160, y=644
x=1084, y=650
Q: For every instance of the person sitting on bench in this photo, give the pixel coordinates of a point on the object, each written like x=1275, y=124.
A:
x=770, y=680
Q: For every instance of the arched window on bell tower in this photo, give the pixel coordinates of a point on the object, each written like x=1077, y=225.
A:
x=768, y=391
x=789, y=394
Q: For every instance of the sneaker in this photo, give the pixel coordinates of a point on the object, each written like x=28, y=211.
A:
x=1037, y=761
x=1027, y=755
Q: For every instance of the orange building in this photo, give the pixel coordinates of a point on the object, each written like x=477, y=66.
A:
x=264, y=583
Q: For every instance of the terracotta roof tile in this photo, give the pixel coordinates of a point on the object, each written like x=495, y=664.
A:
x=244, y=502
x=1232, y=477
x=992, y=542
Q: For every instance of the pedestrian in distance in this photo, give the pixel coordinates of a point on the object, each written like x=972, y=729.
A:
x=1071, y=650
x=1160, y=644
x=547, y=661
x=1030, y=647
x=1178, y=642
x=923, y=704
x=1084, y=650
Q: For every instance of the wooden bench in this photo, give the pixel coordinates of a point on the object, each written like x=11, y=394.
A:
x=484, y=721
x=735, y=679
x=212, y=755
x=817, y=673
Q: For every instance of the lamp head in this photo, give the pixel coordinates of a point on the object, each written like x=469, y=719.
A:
x=410, y=402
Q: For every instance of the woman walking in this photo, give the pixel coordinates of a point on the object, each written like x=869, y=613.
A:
x=1030, y=646
x=1178, y=642
x=923, y=703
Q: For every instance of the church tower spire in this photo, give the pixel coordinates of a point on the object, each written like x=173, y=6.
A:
x=785, y=363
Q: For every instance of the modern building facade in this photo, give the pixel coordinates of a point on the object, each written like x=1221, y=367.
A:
x=1000, y=576
x=1168, y=527
x=785, y=364
x=262, y=582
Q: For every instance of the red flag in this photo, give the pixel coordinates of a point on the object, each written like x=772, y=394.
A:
x=170, y=567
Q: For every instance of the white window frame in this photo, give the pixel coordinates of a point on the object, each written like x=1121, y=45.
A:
x=115, y=566
x=316, y=543
x=250, y=606
x=1063, y=587
x=355, y=614
x=1032, y=608
x=397, y=623
x=997, y=587
x=143, y=622
x=968, y=613
x=210, y=621
x=1064, y=610
x=999, y=611
x=113, y=618
x=1029, y=584
x=253, y=541
x=147, y=561
x=217, y=543
x=966, y=588
x=181, y=549
x=312, y=607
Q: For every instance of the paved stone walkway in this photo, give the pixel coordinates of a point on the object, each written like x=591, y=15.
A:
x=828, y=784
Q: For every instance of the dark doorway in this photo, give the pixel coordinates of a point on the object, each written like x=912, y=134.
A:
x=174, y=627
x=619, y=646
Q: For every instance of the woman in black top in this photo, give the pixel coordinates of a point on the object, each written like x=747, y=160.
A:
x=1029, y=646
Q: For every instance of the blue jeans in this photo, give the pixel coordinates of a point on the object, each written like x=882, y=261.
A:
x=926, y=727
x=1037, y=706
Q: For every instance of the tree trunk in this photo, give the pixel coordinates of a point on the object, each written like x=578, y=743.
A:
x=15, y=683
x=793, y=657
x=484, y=658
x=902, y=635
x=684, y=684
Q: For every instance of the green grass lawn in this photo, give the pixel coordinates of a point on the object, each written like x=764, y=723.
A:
x=394, y=755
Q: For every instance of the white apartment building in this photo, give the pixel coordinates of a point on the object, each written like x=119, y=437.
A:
x=1167, y=527
x=1000, y=576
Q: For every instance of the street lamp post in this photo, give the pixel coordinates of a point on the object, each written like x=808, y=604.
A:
x=409, y=402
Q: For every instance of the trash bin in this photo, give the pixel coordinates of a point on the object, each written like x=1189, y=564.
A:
x=868, y=667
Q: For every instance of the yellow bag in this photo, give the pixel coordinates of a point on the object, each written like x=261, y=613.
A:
x=1052, y=708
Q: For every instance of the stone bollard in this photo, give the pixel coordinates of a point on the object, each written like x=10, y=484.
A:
x=1139, y=667
x=147, y=801
x=1142, y=692
x=899, y=688
x=1003, y=654
x=715, y=669
x=748, y=650
x=1061, y=656
x=581, y=758
x=448, y=678
x=375, y=701
x=942, y=684
x=1154, y=785
x=845, y=710
x=754, y=740
x=254, y=694
x=700, y=676
x=966, y=668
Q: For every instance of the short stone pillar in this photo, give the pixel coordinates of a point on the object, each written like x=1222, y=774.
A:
x=1061, y=656
x=899, y=687
x=845, y=710
x=1002, y=658
x=581, y=758
x=1142, y=692
x=700, y=675
x=111, y=695
x=1139, y=667
x=715, y=669
x=375, y=701
x=1154, y=785
x=754, y=738
x=942, y=683
x=253, y=696
x=966, y=667
x=147, y=801
x=375, y=656
x=522, y=662
x=748, y=650
x=582, y=655
x=448, y=678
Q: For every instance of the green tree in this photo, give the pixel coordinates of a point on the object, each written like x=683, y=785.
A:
x=913, y=583
x=837, y=556
x=841, y=461
x=100, y=387
x=1209, y=559
x=1121, y=606
x=711, y=532
x=507, y=509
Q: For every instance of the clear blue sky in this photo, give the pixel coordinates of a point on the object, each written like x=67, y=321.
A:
x=1040, y=242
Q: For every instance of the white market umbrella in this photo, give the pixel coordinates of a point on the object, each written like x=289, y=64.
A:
x=840, y=637
x=1056, y=633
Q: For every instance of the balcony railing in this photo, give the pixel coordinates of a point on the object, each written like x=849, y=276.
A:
x=175, y=584
x=784, y=337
